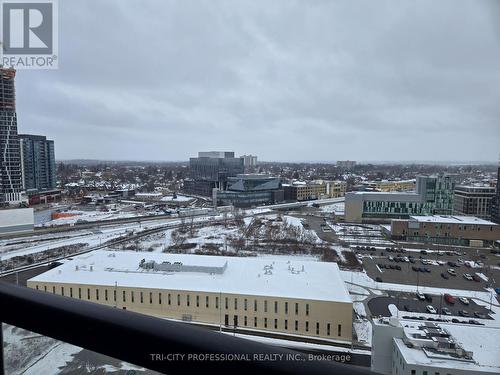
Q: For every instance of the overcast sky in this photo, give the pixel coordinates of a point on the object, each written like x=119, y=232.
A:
x=285, y=80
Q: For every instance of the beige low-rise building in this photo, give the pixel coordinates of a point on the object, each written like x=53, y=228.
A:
x=295, y=297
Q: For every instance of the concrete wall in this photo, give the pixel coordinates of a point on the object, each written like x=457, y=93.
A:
x=323, y=313
x=16, y=220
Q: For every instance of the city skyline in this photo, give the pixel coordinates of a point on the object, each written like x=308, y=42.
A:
x=404, y=82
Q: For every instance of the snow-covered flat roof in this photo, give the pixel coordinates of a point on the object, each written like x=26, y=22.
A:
x=285, y=276
x=452, y=219
x=483, y=342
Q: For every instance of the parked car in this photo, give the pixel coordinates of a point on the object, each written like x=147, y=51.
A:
x=449, y=298
x=455, y=320
x=472, y=321
x=452, y=272
x=467, y=276
x=440, y=262
x=431, y=309
x=444, y=276
x=427, y=270
x=379, y=279
x=463, y=313
x=476, y=278
x=416, y=270
x=428, y=297
x=420, y=296
x=423, y=252
x=445, y=311
x=398, y=267
x=480, y=315
x=464, y=300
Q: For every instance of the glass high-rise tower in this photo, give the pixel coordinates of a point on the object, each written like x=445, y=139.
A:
x=37, y=163
x=10, y=158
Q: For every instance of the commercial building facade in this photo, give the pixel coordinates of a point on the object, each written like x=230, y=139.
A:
x=210, y=170
x=306, y=299
x=473, y=200
x=303, y=191
x=388, y=186
x=10, y=156
x=247, y=190
x=433, y=195
x=448, y=230
x=38, y=163
x=249, y=161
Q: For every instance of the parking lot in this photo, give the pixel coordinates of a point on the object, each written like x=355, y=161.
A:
x=376, y=264
x=408, y=302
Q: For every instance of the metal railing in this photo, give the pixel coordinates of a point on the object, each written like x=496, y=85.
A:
x=147, y=341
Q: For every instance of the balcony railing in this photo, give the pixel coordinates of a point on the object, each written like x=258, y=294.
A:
x=146, y=341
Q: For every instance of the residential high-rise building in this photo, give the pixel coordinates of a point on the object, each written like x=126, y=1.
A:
x=37, y=163
x=10, y=159
x=210, y=170
x=473, y=201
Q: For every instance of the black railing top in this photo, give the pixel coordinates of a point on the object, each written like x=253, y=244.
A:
x=157, y=344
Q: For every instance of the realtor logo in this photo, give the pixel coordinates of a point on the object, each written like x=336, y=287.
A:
x=29, y=34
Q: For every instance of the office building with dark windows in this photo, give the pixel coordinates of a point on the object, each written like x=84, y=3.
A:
x=247, y=190
x=211, y=170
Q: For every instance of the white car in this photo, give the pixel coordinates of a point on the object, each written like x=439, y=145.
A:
x=440, y=262
x=467, y=276
x=420, y=296
x=464, y=300
x=452, y=272
x=431, y=309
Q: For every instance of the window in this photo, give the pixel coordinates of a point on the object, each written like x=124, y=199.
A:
x=106, y=294
x=265, y=305
x=169, y=299
x=226, y=303
x=88, y=293
x=296, y=309
x=216, y=302
x=151, y=298
x=197, y=301
x=159, y=298
x=124, y=297
x=142, y=297
x=187, y=300
x=307, y=326
x=296, y=325
x=265, y=322
x=245, y=304
x=45, y=288
x=255, y=322
x=413, y=372
x=275, y=323
x=255, y=305
x=207, y=302
x=245, y=321
x=328, y=329
x=132, y=296
x=236, y=303
x=54, y=290
x=317, y=328
x=339, y=330
x=114, y=295
x=286, y=307
x=70, y=291
x=424, y=372
x=178, y=299
x=62, y=291
x=36, y=286
x=275, y=307
x=286, y=324
x=97, y=294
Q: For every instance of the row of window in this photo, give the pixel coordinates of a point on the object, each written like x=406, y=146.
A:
x=285, y=325
x=228, y=302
